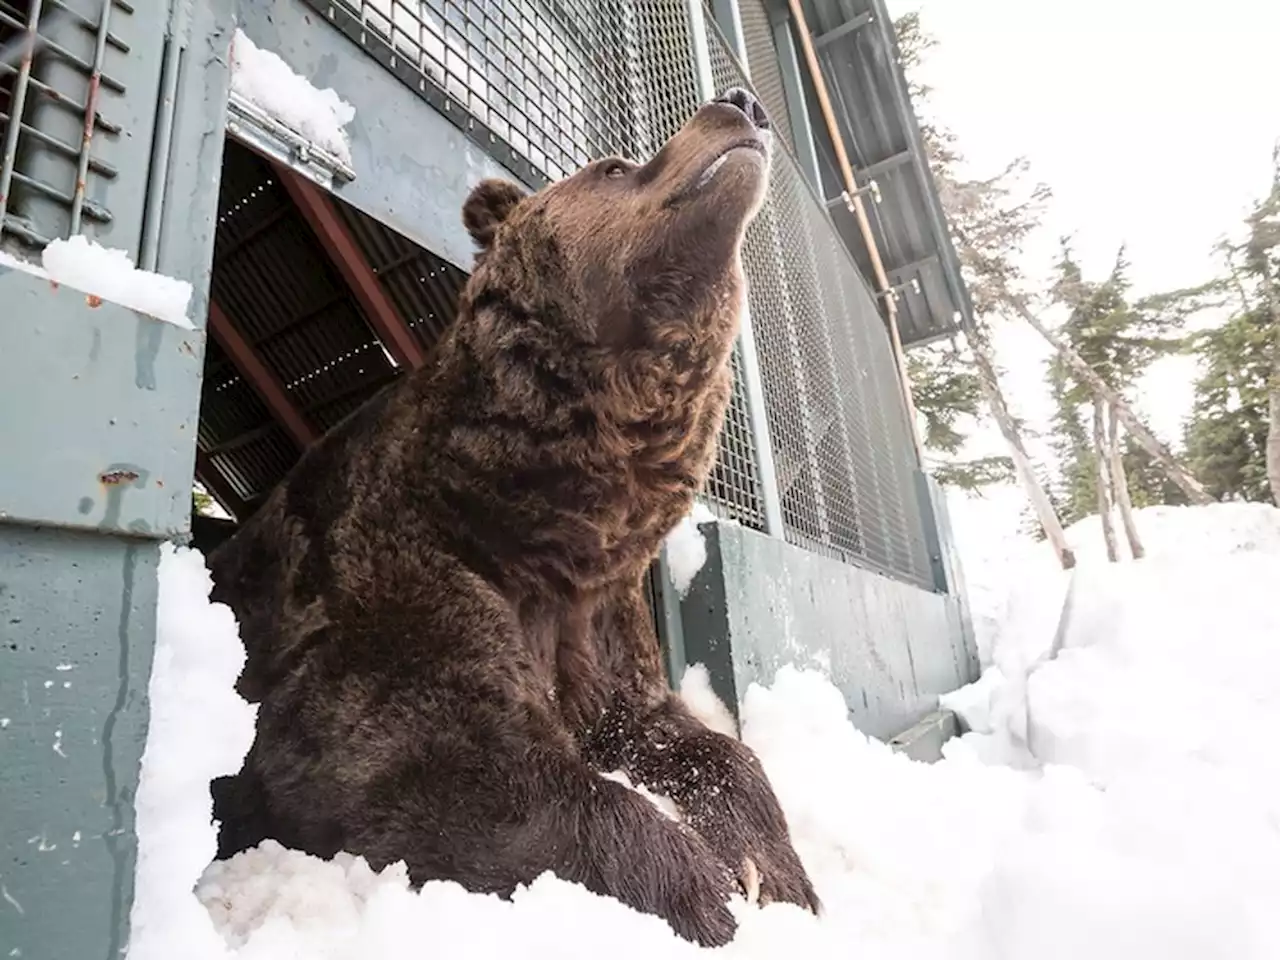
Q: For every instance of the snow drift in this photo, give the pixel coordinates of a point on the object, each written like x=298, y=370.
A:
x=1118, y=799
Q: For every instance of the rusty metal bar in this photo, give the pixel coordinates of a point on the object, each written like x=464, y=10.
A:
x=259, y=377
x=17, y=105
x=317, y=210
x=885, y=289
x=90, y=117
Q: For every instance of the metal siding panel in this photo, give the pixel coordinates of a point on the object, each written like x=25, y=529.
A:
x=106, y=390
x=77, y=630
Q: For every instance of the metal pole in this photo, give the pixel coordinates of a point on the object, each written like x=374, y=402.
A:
x=753, y=385
x=729, y=19
x=17, y=105
x=174, y=48
x=793, y=92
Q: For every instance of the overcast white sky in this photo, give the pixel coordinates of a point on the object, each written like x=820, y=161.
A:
x=1153, y=121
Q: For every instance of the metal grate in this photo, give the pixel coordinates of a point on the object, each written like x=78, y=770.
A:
x=61, y=75
x=842, y=449
x=543, y=84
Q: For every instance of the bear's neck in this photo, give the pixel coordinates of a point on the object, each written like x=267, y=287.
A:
x=540, y=487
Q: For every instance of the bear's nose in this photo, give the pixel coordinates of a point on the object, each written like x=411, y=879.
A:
x=746, y=101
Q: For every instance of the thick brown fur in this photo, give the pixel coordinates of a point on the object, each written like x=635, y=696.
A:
x=443, y=604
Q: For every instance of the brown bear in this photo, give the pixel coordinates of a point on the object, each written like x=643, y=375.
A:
x=443, y=602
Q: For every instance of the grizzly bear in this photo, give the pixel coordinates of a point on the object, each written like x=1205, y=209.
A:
x=443, y=602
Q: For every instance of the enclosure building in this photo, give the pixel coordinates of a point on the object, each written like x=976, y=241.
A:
x=321, y=271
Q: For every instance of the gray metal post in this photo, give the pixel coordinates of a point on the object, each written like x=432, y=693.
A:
x=753, y=385
x=729, y=19
x=109, y=403
x=793, y=90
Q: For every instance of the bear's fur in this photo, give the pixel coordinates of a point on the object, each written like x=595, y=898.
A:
x=443, y=602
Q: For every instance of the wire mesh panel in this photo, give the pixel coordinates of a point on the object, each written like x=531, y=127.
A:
x=77, y=104
x=548, y=85
x=842, y=449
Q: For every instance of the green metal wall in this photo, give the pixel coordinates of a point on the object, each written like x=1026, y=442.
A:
x=98, y=410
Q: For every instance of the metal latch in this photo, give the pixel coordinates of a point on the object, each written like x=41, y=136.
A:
x=254, y=127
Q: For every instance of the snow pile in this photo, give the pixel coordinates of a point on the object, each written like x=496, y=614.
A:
x=270, y=84
x=1118, y=799
x=703, y=702
x=687, y=548
x=102, y=273
x=199, y=729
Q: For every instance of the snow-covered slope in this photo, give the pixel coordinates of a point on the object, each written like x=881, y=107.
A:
x=1121, y=800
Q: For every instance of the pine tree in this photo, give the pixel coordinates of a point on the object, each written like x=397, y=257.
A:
x=1234, y=433
x=1119, y=341
x=1227, y=436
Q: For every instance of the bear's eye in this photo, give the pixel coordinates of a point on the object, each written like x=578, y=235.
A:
x=614, y=169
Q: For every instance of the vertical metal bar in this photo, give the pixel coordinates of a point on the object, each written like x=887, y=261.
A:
x=149, y=256
x=753, y=387
x=793, y=92
x=700, y=42
x=90, y=116
x=671, y=620
x=17, y=108
x=728, y=18
x=752, y=384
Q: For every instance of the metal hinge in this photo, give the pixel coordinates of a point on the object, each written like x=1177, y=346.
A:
x=256, y=128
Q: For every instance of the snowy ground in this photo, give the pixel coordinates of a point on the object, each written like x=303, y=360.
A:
x=1118, y=800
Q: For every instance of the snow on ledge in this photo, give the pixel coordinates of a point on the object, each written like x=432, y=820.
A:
x=102, y=273
x=270, y=84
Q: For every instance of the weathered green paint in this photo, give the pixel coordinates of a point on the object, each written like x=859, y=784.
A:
x=103, y=405
x=77, y=630
x=98, y=433
x=759, y=603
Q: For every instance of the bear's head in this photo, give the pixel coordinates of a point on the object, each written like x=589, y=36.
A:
x=623, y=273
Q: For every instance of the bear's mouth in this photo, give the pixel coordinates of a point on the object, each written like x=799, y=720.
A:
x=757, y=143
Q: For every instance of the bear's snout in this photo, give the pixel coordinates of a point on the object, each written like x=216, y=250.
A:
x=747, y=102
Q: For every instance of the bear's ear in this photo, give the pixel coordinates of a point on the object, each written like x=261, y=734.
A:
x=490, y=203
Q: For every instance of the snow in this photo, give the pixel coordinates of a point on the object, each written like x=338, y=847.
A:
x=687, y=548
x=199, y=729
x=1118, y=796
x=270, y=84
x=703, y=703
x=103, y=273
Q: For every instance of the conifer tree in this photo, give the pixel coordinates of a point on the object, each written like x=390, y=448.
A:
x=1234, y=433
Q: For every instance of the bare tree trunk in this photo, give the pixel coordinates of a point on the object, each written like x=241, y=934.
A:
x=1137, y=429
x=1035, y=491
x=1102, y=482
x=1120, y=487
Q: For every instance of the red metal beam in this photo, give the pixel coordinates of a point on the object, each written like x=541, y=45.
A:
x=317, y=209
x=256, y=374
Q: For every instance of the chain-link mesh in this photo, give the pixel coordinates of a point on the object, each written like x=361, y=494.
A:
x=546, y=86
x=842, y=448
